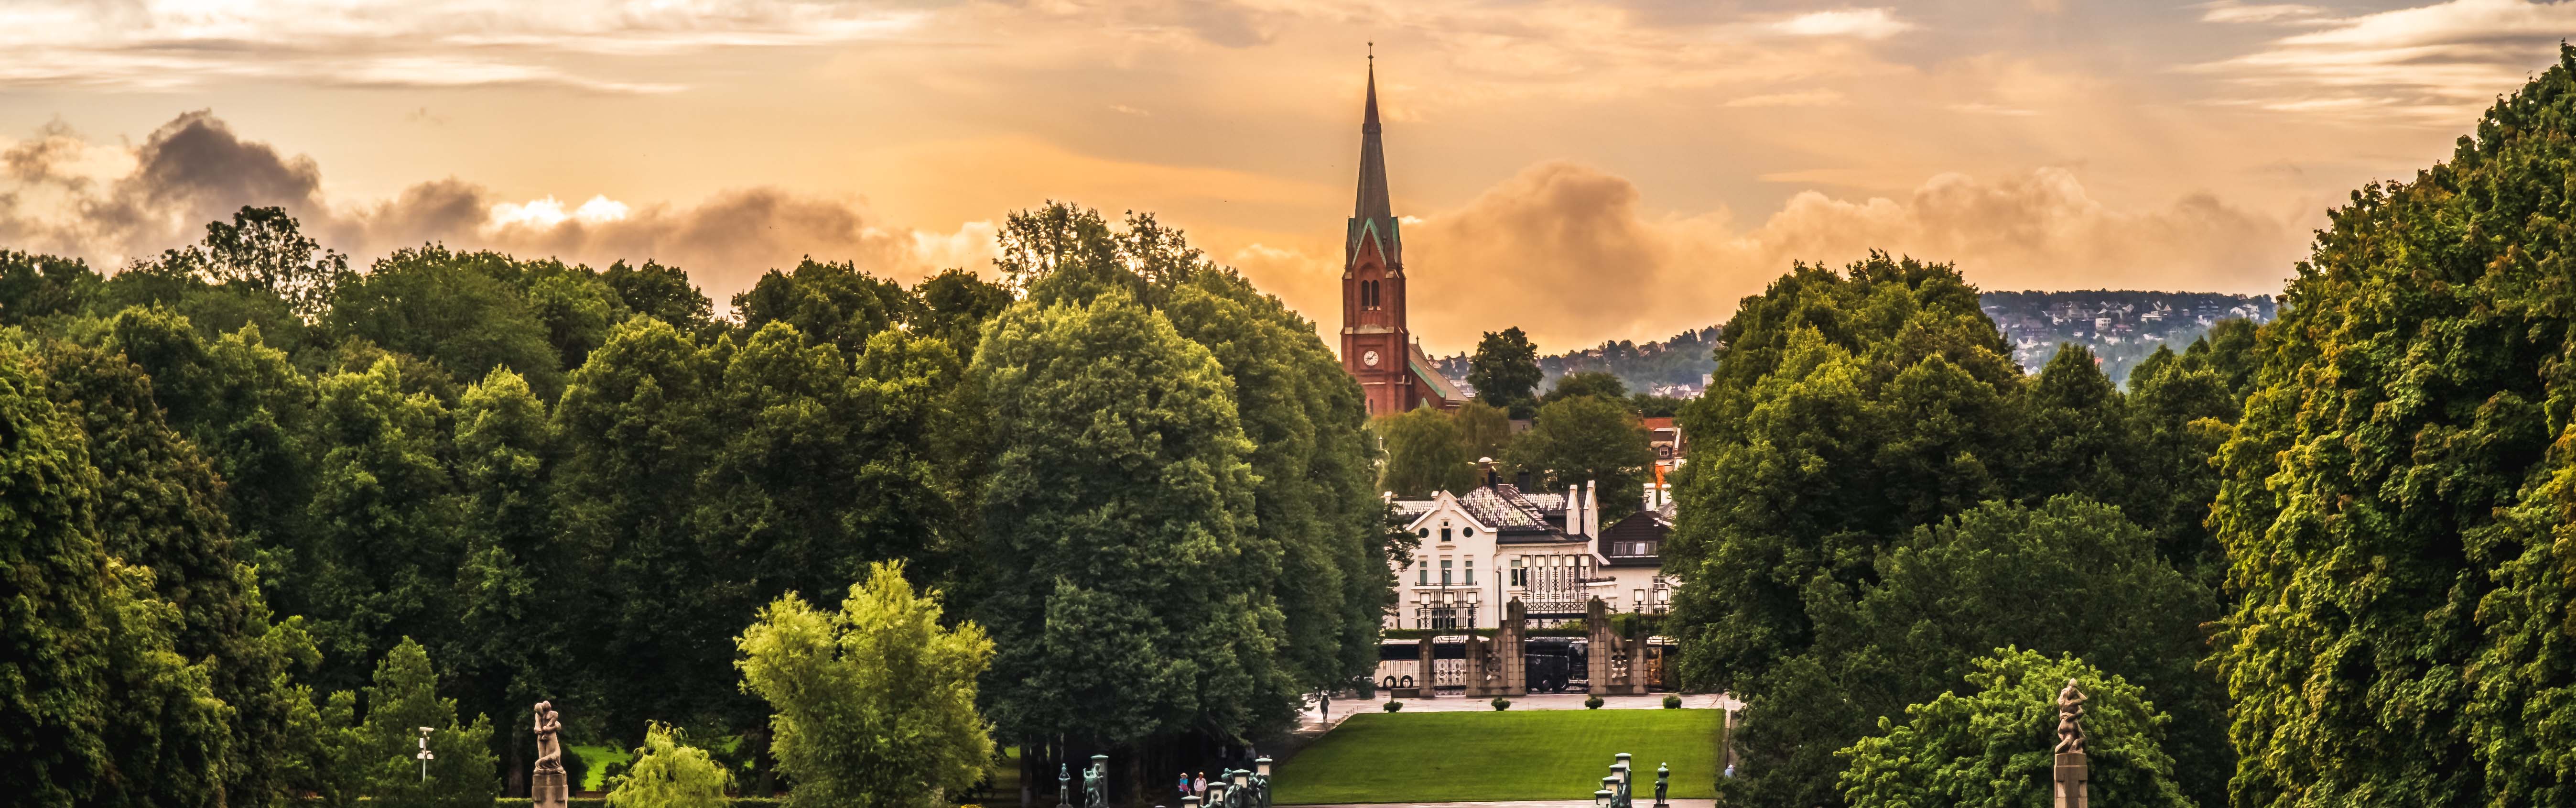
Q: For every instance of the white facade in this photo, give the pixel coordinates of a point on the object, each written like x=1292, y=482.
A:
x=1495, y=544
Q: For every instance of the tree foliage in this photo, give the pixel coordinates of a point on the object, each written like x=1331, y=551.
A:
x=1425, y=452
x=669, y=773
x=1991, y=747
x=2394, y=503
x=1504, y=371
x=1590, y=439
x=874, y=704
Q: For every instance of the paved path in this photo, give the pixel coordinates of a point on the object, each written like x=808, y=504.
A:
x=1642, y=800
x=1343, y=708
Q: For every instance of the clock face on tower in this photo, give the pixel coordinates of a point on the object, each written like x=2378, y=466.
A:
x=1369, y=359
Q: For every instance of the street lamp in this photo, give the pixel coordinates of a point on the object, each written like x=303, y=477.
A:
x=1601, y=798
x=1261, y=766
x=425, y=756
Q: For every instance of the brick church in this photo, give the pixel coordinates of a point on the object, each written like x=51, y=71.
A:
x=1377, y=348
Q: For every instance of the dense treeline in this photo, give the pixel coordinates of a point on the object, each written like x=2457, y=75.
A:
x=247, y=483
x=1878, y=497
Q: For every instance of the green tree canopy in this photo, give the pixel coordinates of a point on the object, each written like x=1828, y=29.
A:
x=874, y=705
x=826, y=302
x=1586, y=383
x=404, y=699
x=438, y=305
x=2394, y=503
x=669, y=773
x=1590, y=439
x=1425, y=452
x=1504, y=371
x=1992, y=747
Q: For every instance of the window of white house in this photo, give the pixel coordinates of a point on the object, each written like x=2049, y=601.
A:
x=1422, y=572
x=1444, y=572
x=1520, y=577
x=1471, y=571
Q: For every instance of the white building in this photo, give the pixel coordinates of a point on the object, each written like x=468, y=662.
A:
x=1491, y=545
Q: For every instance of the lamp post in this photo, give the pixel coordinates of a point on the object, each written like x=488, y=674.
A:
x=425, y=756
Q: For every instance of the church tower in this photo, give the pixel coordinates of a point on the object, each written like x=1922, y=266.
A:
x=1376, y=347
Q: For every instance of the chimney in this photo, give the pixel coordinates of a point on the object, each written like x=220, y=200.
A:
x=1521, y=480
x=1491, y=477
x=1591, y=509
x=1573, y=514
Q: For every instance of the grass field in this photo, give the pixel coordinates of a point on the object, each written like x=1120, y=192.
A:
x=1536, y=755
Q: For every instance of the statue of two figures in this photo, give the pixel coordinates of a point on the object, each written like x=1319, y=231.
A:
x=1095, y=783
x=548, y=789
x=2070, y=720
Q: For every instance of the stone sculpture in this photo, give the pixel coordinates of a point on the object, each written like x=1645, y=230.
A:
x=2070, y=720
x=548, y=789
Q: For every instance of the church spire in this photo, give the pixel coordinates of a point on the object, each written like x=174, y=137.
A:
x=1373, y=214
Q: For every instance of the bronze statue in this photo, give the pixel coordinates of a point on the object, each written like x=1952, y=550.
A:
x=2070, y=717
x=549, y=745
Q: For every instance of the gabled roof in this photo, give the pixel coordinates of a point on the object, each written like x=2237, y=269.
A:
x=1422, y=369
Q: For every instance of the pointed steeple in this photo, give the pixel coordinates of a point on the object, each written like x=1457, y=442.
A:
x=1373, y=215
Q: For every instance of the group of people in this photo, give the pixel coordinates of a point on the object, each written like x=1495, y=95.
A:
x=1194, y=787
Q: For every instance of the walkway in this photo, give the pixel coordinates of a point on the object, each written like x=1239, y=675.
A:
x=1312, y=721
x=1642, y=802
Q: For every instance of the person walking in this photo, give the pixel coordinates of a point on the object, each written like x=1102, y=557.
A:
x=1198, y=788
x=1185, y=785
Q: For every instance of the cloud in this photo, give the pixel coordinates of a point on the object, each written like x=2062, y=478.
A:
x=2231, y=11
x=2435, y=64
x=1862, y=23
x=163, y=45
x=1574, y=255
x=1801, y=98
x=195, y=169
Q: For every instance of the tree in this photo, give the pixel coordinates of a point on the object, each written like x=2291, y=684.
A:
x=1846, y=409
x=1504, y=371
x=249, y=411
x=1590, y=439
x=1486, y=429
x=265, y=250
x=34, y=286
x=385, y=540
x=436, y=305
x=576, y=309
x=874, y=705
x=505, y=453
x=1955, y=589
x=660, y=292
x=1992, y=746
x=1425, y=452
x=2393, y=503
x=401, y=702
x=160, y=515
x=669, y=773
x=1586, y=383
x=834, y=303
x=1123, y=581
x=955, y=305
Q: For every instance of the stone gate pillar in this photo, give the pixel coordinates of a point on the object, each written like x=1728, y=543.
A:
x=1617, y=666
x=1510, y=646
x=1429, y=674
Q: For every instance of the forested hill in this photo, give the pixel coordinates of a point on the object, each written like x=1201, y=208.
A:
x=2121, y=327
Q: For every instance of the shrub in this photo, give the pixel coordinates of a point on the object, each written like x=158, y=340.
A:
x=669, y=773
x=1501, y=704
x=1592, y=702
x=1672, y=702
x=1392, y=706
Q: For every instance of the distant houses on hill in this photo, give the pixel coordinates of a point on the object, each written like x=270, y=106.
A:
x=2120, y=327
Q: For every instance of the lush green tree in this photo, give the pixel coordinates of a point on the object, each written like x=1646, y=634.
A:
x=505, y=453
x=1054, y=238
x=160, y=512
x=1504, y=371
x=34, y=286
x=2394, y=502
x=247, y=409
x=1993, y=746
x=2068, y=577
x=1846, y=409
x=1586, y=383
x=1425, y=452
x=266, y=250
x=1487, y=429
x=402, y=700
x=1590, y=439
x=955, y=305
x=826, y=302
x=576, y=309
x=2079, y=430
x=1121, y=566
x=660, y=292
x=2180, y=411
x=96, y=705
x=438, y=305
x=386, y=538
x=669, y=773
x=874, y=704
x=639, y=426
x=1649, y=405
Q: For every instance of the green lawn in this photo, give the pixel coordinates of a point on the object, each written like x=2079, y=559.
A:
x=597, y=758
x=1536, y=755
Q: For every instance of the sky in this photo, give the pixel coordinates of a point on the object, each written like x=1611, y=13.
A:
x=1587, y=171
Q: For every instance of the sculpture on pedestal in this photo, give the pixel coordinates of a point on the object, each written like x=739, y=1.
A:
x=2070, y=718
x=548, y=787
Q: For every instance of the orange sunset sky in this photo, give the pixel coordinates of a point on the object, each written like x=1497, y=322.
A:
x=1618, y=169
